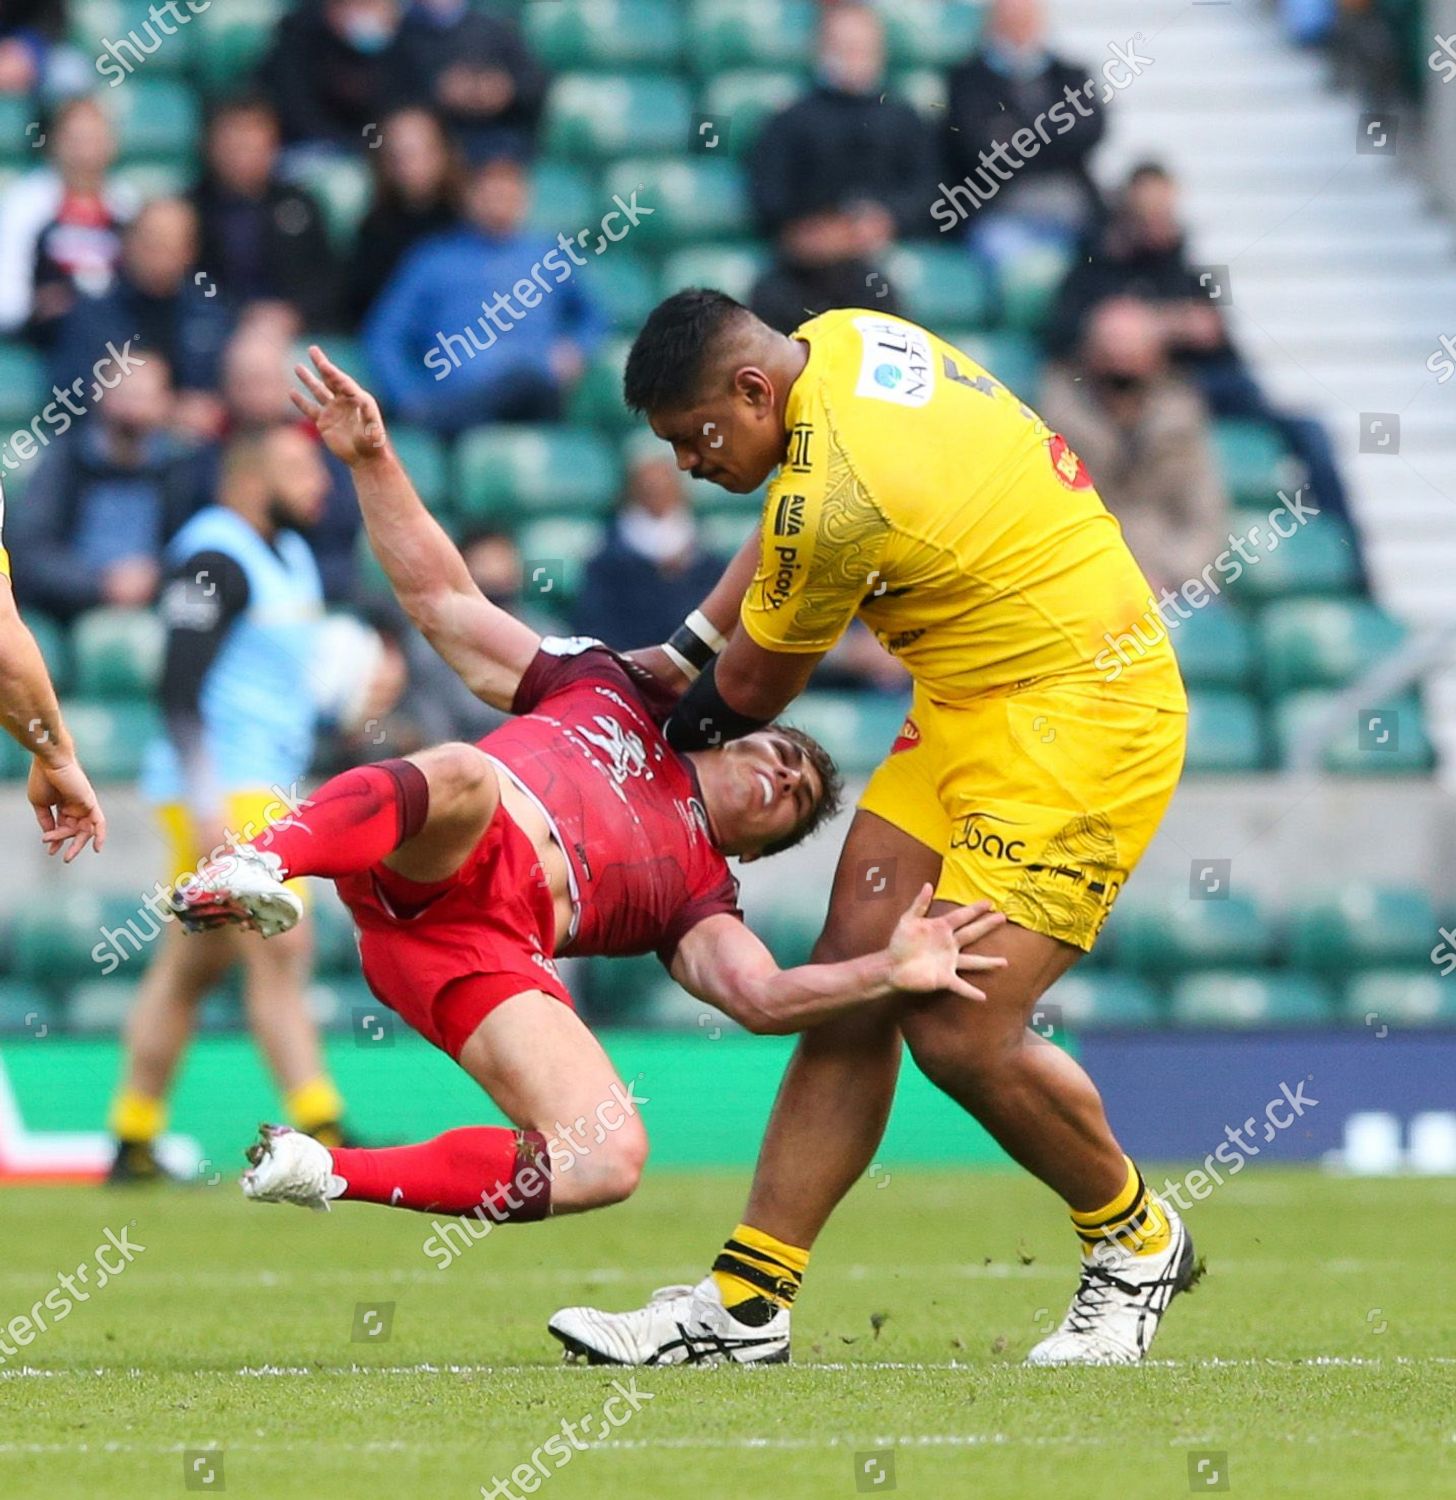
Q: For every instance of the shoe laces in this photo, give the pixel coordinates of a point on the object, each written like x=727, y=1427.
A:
x=1093, y=1293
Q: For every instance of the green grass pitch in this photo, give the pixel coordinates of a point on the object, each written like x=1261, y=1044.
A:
x=1318, y=1357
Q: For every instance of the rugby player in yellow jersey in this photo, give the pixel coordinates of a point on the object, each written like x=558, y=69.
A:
x=915, y=491
x=66, y=807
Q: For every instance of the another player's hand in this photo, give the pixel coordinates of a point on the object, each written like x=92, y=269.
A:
x=346, y=415
x=928, y=954
x=66, y=807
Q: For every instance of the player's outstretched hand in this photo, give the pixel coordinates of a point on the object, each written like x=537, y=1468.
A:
x=928, y=953
x=346, y=415
x=66, y=807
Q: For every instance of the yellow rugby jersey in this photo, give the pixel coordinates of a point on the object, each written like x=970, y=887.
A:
x=920, y=494
x=4, y=555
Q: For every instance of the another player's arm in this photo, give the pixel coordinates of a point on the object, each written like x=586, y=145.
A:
x=721, y=962
x=487, y=647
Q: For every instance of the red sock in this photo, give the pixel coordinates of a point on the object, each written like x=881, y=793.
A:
x=352, y=821
x=506, y=1173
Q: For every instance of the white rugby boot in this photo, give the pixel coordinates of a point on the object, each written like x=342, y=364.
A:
x=290, y=1167
x=242, y=888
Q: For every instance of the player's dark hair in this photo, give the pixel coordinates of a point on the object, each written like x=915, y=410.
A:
x=829, y=801
x=670, y=356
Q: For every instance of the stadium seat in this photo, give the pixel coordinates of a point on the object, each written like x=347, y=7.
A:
x=1013, y=358
x=930, y=33
x=1225, y=732
x=155, y=179
x=343, y=188
x=939, y=285
x=856, y=728
x=596, y=400
x=27, y=1011
x=335, y=999
x=1227, y=999
x=691, y=198
x=335, y=950
x=724, y=529
x=23, y=388
x=157, y=119
x=112, y=737
x=1363, y=926
x=1174, y=933
x=733, y=107
x=1094, y=1000
x=142, y=44
x=1319, y=558
x=791, y=926
x=926, y=89
x=724, y=34
x=1400, y=998
x=232, y=40
x=507, y=471
x=19, y=132
x=99, y=1007
x=1215, y=647
x=728, y=268
x=554, y=553
x=563, y=199
x=622, y=285
x=1389, y=739
x=118, y=652
x=425, y=456
x=55, y=646
x=1254, y=461
x=1028, y=285
x=595, y=116
x=1323, y=642
x=78, y=934
x=594, y=35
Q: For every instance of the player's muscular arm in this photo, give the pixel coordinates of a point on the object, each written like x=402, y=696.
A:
x=723, y=963
x=487, y=647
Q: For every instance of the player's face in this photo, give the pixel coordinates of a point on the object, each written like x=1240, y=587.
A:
x=771, y=787
x=734, y=440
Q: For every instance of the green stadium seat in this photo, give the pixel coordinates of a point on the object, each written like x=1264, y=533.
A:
x=1227, y=999
x=595, y=116
x=99, y=1007
x=724, y=34
x=112, y=737
x=926, y=89
x=597, y=399
x=1389, y=739
x=856, y=728
x=335, y=999
x=724, y=529
x=1028, y=286
x=1323, y=642
x=335, y=951
x=79, y=935
x=118, y=652
x=55, y=646
x=343, y=188
x=939, y=285
x=791, y=926
x=19, y=132
x=734, y=106
x=1013, y=358
x=1400, y=998
x=23, y=389
x=930, y=33
x=691, y=198
x=554, y=553
x=425, y=458
x=156, y=119
x=1215, y=647
x=27, y=1011
x=618, y=990
x=517, y=470
x=155, y=179
x=1225, y=732
x=727, y=268
x=1255, y=463
x=14, y=762
x=140, y=43
x=1170, y=934
x=1363, y=926
x=232, y=40
x=1092, y=999
x=563, y=199
x=594, y=35
x=623, y=285
x=1319, y=558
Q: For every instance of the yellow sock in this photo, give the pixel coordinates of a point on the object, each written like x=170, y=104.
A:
x=314, y=1104
x=1134, y=1219
x=136, y=1116
x=755, y=1265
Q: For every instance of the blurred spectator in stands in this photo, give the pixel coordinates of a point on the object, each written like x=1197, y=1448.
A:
x=839, y=175
x=157, y=305
x=1143, y=433
x=1015, y=83
x=33, y=58
x=417, y=189
x=60, y=225
x=103, y=502
x=262, y=238
x=447, y=357
x=1142, y=252
x=476, y=69
x=494, y=561
x=336, y=67
x=651, y=571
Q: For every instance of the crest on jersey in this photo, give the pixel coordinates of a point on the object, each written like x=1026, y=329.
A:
x=623, y=752
x=1069, y=468
x=908, y=737
x=895, y=362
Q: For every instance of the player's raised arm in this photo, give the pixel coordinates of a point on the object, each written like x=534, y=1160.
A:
x=487, y=647
x=722, y=962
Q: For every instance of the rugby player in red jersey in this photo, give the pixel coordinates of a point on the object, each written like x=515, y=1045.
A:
x=573, y=829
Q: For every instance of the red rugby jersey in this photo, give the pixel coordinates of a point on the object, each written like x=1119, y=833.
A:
x=626, y=807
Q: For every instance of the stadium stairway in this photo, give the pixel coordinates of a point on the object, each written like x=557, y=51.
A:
x=1341, y=276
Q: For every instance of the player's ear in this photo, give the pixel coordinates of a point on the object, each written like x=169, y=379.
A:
x=748, y=859
x=754, y=387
